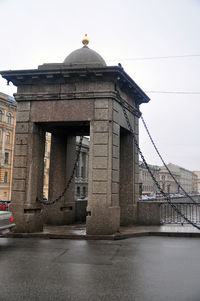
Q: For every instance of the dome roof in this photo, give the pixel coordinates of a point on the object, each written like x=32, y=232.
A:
x=84, y=57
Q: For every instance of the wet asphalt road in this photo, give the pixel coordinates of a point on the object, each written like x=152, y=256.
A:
x=136, y=269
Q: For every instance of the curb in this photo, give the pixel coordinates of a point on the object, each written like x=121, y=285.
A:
x=117, y=236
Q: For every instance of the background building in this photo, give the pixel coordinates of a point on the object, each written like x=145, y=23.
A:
x=190, y=181
x=81, y=175
x=147, y=185
x=197, y=173
x=186, y=178
x=8, y=108
x=46, y=164
x=166, y=182
x=81, y=178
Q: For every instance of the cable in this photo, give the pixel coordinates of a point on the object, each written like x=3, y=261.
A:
x=156, y=57
x=173, y=92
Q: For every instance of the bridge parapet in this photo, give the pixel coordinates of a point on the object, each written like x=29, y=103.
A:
x=160, y=212
x=179, y=199
x=149, y=213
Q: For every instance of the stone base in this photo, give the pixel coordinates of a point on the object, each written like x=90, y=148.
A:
x=149, y=213
x=81, y=208
x=128, y=215
x=28, y=219
x=103, y=221
x=59, y=214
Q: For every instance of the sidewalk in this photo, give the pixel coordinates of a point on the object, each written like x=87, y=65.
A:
x=78, y=231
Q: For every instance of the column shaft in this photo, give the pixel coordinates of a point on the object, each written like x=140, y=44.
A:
x=62, y=159
x=127, y=178
x=103, y=189
x=28, y=169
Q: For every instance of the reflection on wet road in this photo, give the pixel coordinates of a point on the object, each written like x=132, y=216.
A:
x=136, y=269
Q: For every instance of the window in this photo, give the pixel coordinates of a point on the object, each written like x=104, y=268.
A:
x=6, y=177
x=1, y=115
x=77, y=168
x=45, y=147
x=8, y=138
x=83, y=167
x=9, y=118
x=78, y=190
x=84, y=191
x=6, y=160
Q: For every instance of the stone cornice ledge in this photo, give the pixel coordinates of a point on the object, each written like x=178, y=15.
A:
x=74, y=96
x=63, y=96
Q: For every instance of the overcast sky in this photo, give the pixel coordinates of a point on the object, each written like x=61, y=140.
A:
x=133, y=32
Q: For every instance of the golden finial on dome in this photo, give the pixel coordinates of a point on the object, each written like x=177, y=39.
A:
x=85, y=40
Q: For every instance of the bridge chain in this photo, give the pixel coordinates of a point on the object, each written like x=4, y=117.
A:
x=48, y=203
x=122, y=102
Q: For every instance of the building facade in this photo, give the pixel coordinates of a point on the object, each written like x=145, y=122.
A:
x=186, y=178
x=81, y=174
x=7, y=132
x=147, y=185
x=197, y=173
x=81, y=177
x=46, y=165
x=166, y=181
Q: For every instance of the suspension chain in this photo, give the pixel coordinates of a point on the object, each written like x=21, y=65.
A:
x=175, y=180
x=69, y=181
x=122, y=102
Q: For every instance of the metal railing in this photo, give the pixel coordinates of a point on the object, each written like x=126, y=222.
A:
x=190, y=210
